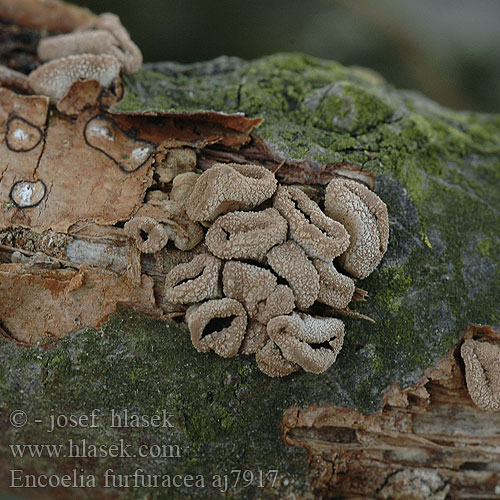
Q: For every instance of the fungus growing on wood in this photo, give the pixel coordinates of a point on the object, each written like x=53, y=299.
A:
x=335, y=289
x=194, y=281
x=255, y=338
x=52, y=15
x=320, y=236
x=182, y=185
x=482, y=373
x=246, y=235
x=289, y=261
x=148, y=234
x=217, y=325
x=79, y=42
x=280, y=301
x=126, y=52
x=271, y=361
x=54, y=78
x=27, y=194
x=184, y=233
x=313, y=343
x=178, y=161
x=257, y=290
x=227, y=187
x=364, y=215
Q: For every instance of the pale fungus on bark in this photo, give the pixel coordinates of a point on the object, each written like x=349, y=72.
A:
x=52, y=15
x=319, y=235
x=218, y=325
x=313, y=343
x=54, y=78
x=147, y=233
x=182, y=185
x=79, y=42
x=184, y=233
x=246, y=235
x=335, y=289
x=178, y=161
x=280, y=301
x=271, y=361
x=257, y=290
x=255, y=338
x=290, y=261
x=194, y=281
x=482, y=373
x=364, y=215
x=228, y=187
x=269, y=248
x=126, y=52
x=247, y=283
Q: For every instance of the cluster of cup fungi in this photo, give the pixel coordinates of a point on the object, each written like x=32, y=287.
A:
x=270, y=253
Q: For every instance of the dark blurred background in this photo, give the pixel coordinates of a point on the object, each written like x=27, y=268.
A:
x=448, y=49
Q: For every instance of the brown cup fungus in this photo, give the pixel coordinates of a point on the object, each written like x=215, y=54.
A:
x=290, y=261
x=275, y=261
x=312, y=343
x=148, y=234
x=271, y=361
x=194, y=281
x=364, y=215
x=255, y=338
x=217, y=325
x=225, y=188
x=482, y=373
x=335, y=289
x=268, y=248
x=257, y=289
x=320, y=236
x=54, y=78
x=246, y=235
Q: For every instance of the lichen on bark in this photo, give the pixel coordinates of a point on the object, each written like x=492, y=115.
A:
x=439, y=173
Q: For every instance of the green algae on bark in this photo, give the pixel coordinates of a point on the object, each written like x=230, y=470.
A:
x=439, y=173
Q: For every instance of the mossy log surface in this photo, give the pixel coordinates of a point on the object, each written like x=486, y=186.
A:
x=437, y=170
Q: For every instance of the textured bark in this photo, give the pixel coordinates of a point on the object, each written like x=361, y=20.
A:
x=436, y=169
x=429, y=441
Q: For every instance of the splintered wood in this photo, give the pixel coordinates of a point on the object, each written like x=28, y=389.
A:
x=430, y=441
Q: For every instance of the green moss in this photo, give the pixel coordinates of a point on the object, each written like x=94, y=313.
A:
x=484, y=246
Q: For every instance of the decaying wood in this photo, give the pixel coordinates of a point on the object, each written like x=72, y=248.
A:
x=74, y=174
x=429, y=442
x=62, y=301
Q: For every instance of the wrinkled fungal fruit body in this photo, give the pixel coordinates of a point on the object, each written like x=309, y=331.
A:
x=261, y=273
x=256, y=290
x=246, y=235
x=194, y=281
x=364, y=215
x=55, y=78
x=217, y=325
x=226, y=188
x=482, y=373
x=319, y=236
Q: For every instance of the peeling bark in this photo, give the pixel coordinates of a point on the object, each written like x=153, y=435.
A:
x=429, y=441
